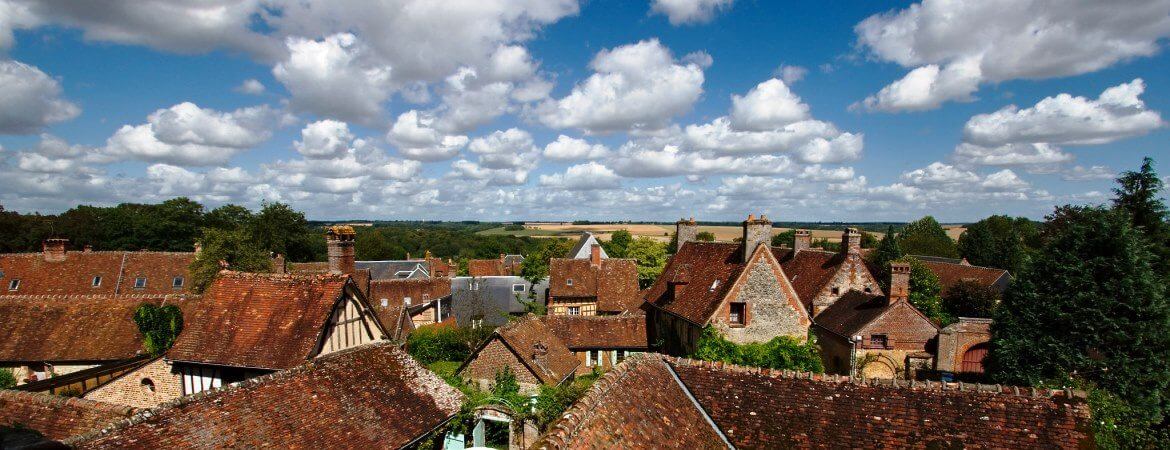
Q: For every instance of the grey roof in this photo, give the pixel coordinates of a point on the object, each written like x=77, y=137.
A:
x=513, y=259
x=492, y=300
x=581, y=250
x=390, y=270
x=941, y=259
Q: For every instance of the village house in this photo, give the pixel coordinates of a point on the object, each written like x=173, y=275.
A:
x=599, y=342
x=655, y=401
x=339, y=240
x=951, y=272
x=593, y=286
x=876, y=336
x=962, y=346
x=425, y=301
x=369, y=396
x=529, y=349
x=489, y=301
x=583, y=249
x=59, y=271
x=504, y=265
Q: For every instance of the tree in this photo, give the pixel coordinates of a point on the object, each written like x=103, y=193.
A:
x=786, y=238
x=887, y=251
x=705, y=236
x=970, y=299
x=7, y=379
x=1089, y=310
x=618, y=244
x=280, y=229
x=535, y=266
x=228, y=217
x=1138, y=196
x=651, y=257
x=236, y=248
x=927, y=238
x=924, y=292
x=159, y=325
x=998, y=241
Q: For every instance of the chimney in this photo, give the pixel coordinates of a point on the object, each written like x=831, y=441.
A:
x=756, y=232
x=803, y=240
x=899, y=282
x=339, y=243
x=54, y=249
x=502, y=256
x=685, y=230
x=87, y=249
x=851, y=241
x=595, y=255
x=278, y=263
x=198, y=247
x=679, y=281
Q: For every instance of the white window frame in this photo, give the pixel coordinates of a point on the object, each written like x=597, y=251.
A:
x=138, y=286
x=592, y=360
x=177, y=282
x=568, y=281
x=97, y=281
x=573, y=310
x=14, y=284
x=518, y=285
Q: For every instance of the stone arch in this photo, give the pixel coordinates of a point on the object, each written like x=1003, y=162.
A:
x=878, y=366
x=521, y=434
x=973, y=356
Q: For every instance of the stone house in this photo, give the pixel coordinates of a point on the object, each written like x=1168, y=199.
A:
x=600, y=342
x=877, y=336
x=529, y=348
x=963, y=345
x=502, y=266
x=58, y=271
x=419, y=301
x=594, y=286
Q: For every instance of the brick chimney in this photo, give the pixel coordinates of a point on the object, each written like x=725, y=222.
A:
x=899, y=282
x=339, y=243
x=685, y=230
x=278, y=263
x=756, y=232
x=595, y=255
x=851, y=241
x=803, y=240
x=54, y=249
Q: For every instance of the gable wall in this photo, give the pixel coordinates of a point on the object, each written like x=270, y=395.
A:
x=493, y=358
x=853, y=275
x=129, y=389
x=772, y=308
x=348, y=327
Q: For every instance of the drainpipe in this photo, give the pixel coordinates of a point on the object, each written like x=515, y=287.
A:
x=853, y=356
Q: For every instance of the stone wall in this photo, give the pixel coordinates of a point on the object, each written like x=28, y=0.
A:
x=957, y=338
x=771, y=311
x=147, y=387
x=853, y=275
x=492, y=359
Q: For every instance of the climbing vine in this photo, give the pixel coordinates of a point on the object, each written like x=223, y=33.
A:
x=782, y=352
x=159, y=325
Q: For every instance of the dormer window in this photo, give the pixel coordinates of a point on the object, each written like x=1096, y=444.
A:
x=14, y=284
x=139, y=282
x=97, y=281
x=714, y=285
x=836, y=290
x=568, y=281
x=177, y=282
x=406, y=300
x=878, y=341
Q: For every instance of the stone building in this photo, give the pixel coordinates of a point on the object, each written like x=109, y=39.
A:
x=600, y=342
x=526, y=346
x=59, y=271
x=593, y=286
x=875, y=336
x=963, y=345
x=583, y=249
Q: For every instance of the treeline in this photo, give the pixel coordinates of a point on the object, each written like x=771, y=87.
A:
x=458, y=241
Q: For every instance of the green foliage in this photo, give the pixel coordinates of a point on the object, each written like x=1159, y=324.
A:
x=786, y=238
x=970, y=299
x=651, y=257
x=1117, y=425
x=825, y=244
x=159, y=325
x=887, y=251
x=506, y=386
x=1139, y=197
x=514, y=227
x=1089, y=308
x=235, y=247
x=442, y=343
x=535, y=265
x=868, y=240
x=552, y=401
x=618, y=244
x=7, y=379
x=925, y=291
x=998, y=241
x=278, y=228
x=228, y=217
x=444, y=240
x=782, y=352
x=705, y=236
x=927, y=238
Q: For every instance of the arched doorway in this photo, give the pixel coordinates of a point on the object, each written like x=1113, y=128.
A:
x=878, y=366
x=973, y=358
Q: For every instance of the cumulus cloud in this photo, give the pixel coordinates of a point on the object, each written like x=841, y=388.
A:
x=186, y=134
x=498, y=177
x=683, y=12
x=415, y=136
x=583, y=177
x=335, y=77
x=810, y=141
x=637, y=159
x=1081, y=173
x=636, y=86
x=30, y=99
x=324, y=139
x=790, y=74
x=767, y=106
x=940, y=174
x=1023, y=154
x=251, y=86
x=567, y=148
x=505, y=149
x=953, y=47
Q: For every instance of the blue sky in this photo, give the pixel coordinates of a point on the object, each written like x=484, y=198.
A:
x=498, y=110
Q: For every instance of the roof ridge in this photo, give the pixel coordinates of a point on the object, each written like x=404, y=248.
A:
x=99, y=252
x=574, y=417
x=282, y=276
x=993, y=389
x=57, y=400
x=180, y=296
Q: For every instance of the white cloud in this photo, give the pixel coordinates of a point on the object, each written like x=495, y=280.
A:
x=940, y=174
x=991, y=41
x=682, y=12
x=583, y=177
x=324, y=139
x=498, y=177
x=1037, y=155
x=1004, y=180
x=1116, y=114
x=790, y=74
x=507, y=149
x=636, y=86
x=416, y=137
x=767, y=106
x=810, y=141
x=636, y=159
x=566, y=148
x=1081, y=173
x=30, y=99
x=816, y=172
x=335, y=77
x=186, y=134
x=251, y=86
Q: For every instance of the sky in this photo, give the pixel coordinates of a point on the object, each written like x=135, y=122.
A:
x=599, y=109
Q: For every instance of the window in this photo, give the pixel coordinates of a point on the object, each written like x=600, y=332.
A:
x=877, y=340
x=147, y=385
x=714, y=285
x=473, y=285
x=177, y=282
x=97, y=281
x=568, y=281
x=836, y=290
x=385, y=302
x=14, y=284
x=139, y=282
x=574, y=310
x=406, y=300
x=619, y=356
x=738, y=314
x=592, y=358
x=517, y=287
x=476, y=322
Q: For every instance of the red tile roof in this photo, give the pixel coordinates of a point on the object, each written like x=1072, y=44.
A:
x=265, y=321
x=373, y=396
x=523, y=337
x=852, y=312
x=599, y=332
x=57, y=417
x=74, y=328
x=614, y=283
x=950, y=274
x=420, y=291
x=486, y=268
x=75, y=275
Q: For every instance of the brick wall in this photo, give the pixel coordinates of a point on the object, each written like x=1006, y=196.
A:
x=771, y=311
x=492, y=359
x=131, y=390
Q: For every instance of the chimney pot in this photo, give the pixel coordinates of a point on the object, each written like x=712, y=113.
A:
x=339, y=244
x=755, y=233
x=803, y=240
x=851, y=241
x=685, y=231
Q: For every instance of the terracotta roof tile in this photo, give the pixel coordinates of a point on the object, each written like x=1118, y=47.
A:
x=486, y=268
x=614, y=282
x=590, y=332
x=528, y=334
x=852, y=312
x=74, y=328
x=950, y=274
x=373, y=396
x=263, y=321
x=75, y=275
x=57, y=417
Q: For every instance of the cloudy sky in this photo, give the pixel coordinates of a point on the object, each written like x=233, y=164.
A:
x=600, y=109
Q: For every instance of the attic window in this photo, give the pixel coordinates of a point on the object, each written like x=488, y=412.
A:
x=877, y=341
x=836, y=290
x=177, y=282
x=14, y=284
x=139, y=282
x=738, y=314
x=385, y=302
x=568, y=281
x=97, y=281
x=714, y=285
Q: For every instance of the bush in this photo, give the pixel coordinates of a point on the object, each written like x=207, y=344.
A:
x=440, y=343
x=7, y=379
x=782, y=352
x=159, y=325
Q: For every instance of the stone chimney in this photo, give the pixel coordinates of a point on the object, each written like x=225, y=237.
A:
x=685, y=230
x=339, y=243
x=278, y=263
x=851, y=241
x=595, y=255
x=54, y=249
x=899, y=282
x=803, y=240
x=756, y=232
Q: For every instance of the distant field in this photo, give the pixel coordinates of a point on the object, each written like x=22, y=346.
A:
x=661, y=232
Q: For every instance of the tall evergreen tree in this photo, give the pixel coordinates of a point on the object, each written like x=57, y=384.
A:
x=1138, y=195
x=998, y=241
x=927, y=237
x=887, y=251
